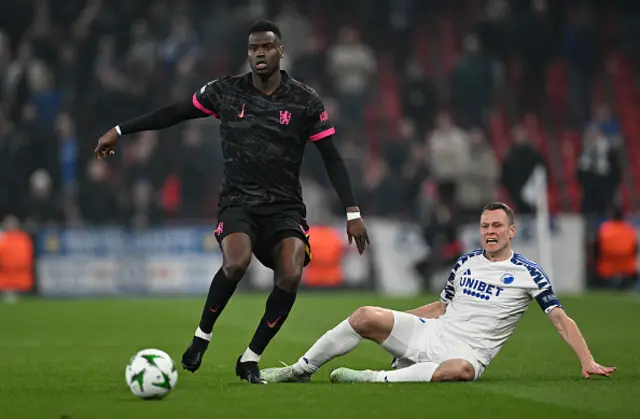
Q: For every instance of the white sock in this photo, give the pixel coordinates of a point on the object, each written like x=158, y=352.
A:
x=420, y=372
x=337, y=341
x=250, y=356
x=200, y=334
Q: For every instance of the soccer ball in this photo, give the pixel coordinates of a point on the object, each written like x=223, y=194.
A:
x=151, y=374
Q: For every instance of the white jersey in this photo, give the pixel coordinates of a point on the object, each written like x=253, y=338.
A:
x=485, y=300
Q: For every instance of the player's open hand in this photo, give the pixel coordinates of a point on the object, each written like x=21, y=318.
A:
x=107, y=144
x=593, y=368
x=357, y=231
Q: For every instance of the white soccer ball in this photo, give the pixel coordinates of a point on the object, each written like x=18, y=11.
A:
x=151, y=374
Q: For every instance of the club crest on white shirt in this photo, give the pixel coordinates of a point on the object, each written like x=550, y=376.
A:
x=507, y=278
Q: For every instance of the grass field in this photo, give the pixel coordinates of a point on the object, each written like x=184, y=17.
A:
x=67, y=358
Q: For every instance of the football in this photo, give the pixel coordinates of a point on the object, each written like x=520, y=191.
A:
x=151, y=374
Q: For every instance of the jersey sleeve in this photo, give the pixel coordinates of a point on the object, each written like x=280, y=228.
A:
x=318, y=125
x=543, y=294
x=208, y=98
x=446, y=296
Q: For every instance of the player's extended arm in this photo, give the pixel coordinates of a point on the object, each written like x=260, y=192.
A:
x=157, y=119
x=430, y=311
x=571, y=334
x=337, y=172
x=339, y=177
x=163, y=117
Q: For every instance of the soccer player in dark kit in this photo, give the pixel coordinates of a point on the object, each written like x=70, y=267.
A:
x=267, y=118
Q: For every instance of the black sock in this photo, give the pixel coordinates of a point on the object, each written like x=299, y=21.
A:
x=220, y=292
x=277, y=310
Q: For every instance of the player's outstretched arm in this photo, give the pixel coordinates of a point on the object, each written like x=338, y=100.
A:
x=157, y=119
x=339, y=177
x=571, y=334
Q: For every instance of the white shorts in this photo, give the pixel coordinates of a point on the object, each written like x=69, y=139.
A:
x=414, y=339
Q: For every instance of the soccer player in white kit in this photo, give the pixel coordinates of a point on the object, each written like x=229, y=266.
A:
x=456, y=338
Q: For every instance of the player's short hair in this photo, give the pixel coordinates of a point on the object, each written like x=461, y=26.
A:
x=266, y=26
x=494, y=206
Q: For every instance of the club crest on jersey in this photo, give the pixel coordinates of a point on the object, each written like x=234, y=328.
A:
x=477, y=288
x=285, y=117
x=507, y=278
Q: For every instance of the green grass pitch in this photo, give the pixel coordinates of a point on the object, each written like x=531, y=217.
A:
x=63, y=358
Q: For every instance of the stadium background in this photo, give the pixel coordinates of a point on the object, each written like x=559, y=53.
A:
x=439, y=106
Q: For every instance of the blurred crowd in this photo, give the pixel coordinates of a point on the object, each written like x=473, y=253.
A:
x=71, y=70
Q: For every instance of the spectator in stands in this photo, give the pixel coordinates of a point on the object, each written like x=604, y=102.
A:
x=607, y=124
x=352, y=64
x=194, y=167
x=416, y=175
x=16, y=259
x=30, y=145
x=296, y=29
x=599, y=173
x=440, y=232
x=447, y=153
x=534, y=37
x=518, y=166
x=109, y=67
x=181, y=42
x=310, y=64
x=145, y=210
x=394, y=191
x=146, y=161
x=97, y=195
x=7, y=178
x=582, y=54
x=15, y=83
x=112, y=87
x=616, y=251
x=108, y=60
x=493, y=28
x=472, y=82
x=479, y=176
x=314, y=195
x=68, y=151
x=67, y=73
x=68, y=164
x=43, y=32
x=5, y=57
x=142, y=55
x=418, y=96
x=41, y=207
x=381, y=188
x=41, y=138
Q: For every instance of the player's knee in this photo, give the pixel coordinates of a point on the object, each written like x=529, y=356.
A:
x=366, y=321
x=455, y=370
x=289, y=279
x=466, y=372
x=235, y=269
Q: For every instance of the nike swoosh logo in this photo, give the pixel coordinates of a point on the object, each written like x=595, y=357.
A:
x=273, y=323
x=241, y=114
x=214, y=310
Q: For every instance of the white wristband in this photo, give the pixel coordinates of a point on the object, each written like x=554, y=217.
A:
x=353, y=215
x=118, y=130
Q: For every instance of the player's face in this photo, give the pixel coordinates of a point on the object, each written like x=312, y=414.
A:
x=264, y=53
x=496, y=231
